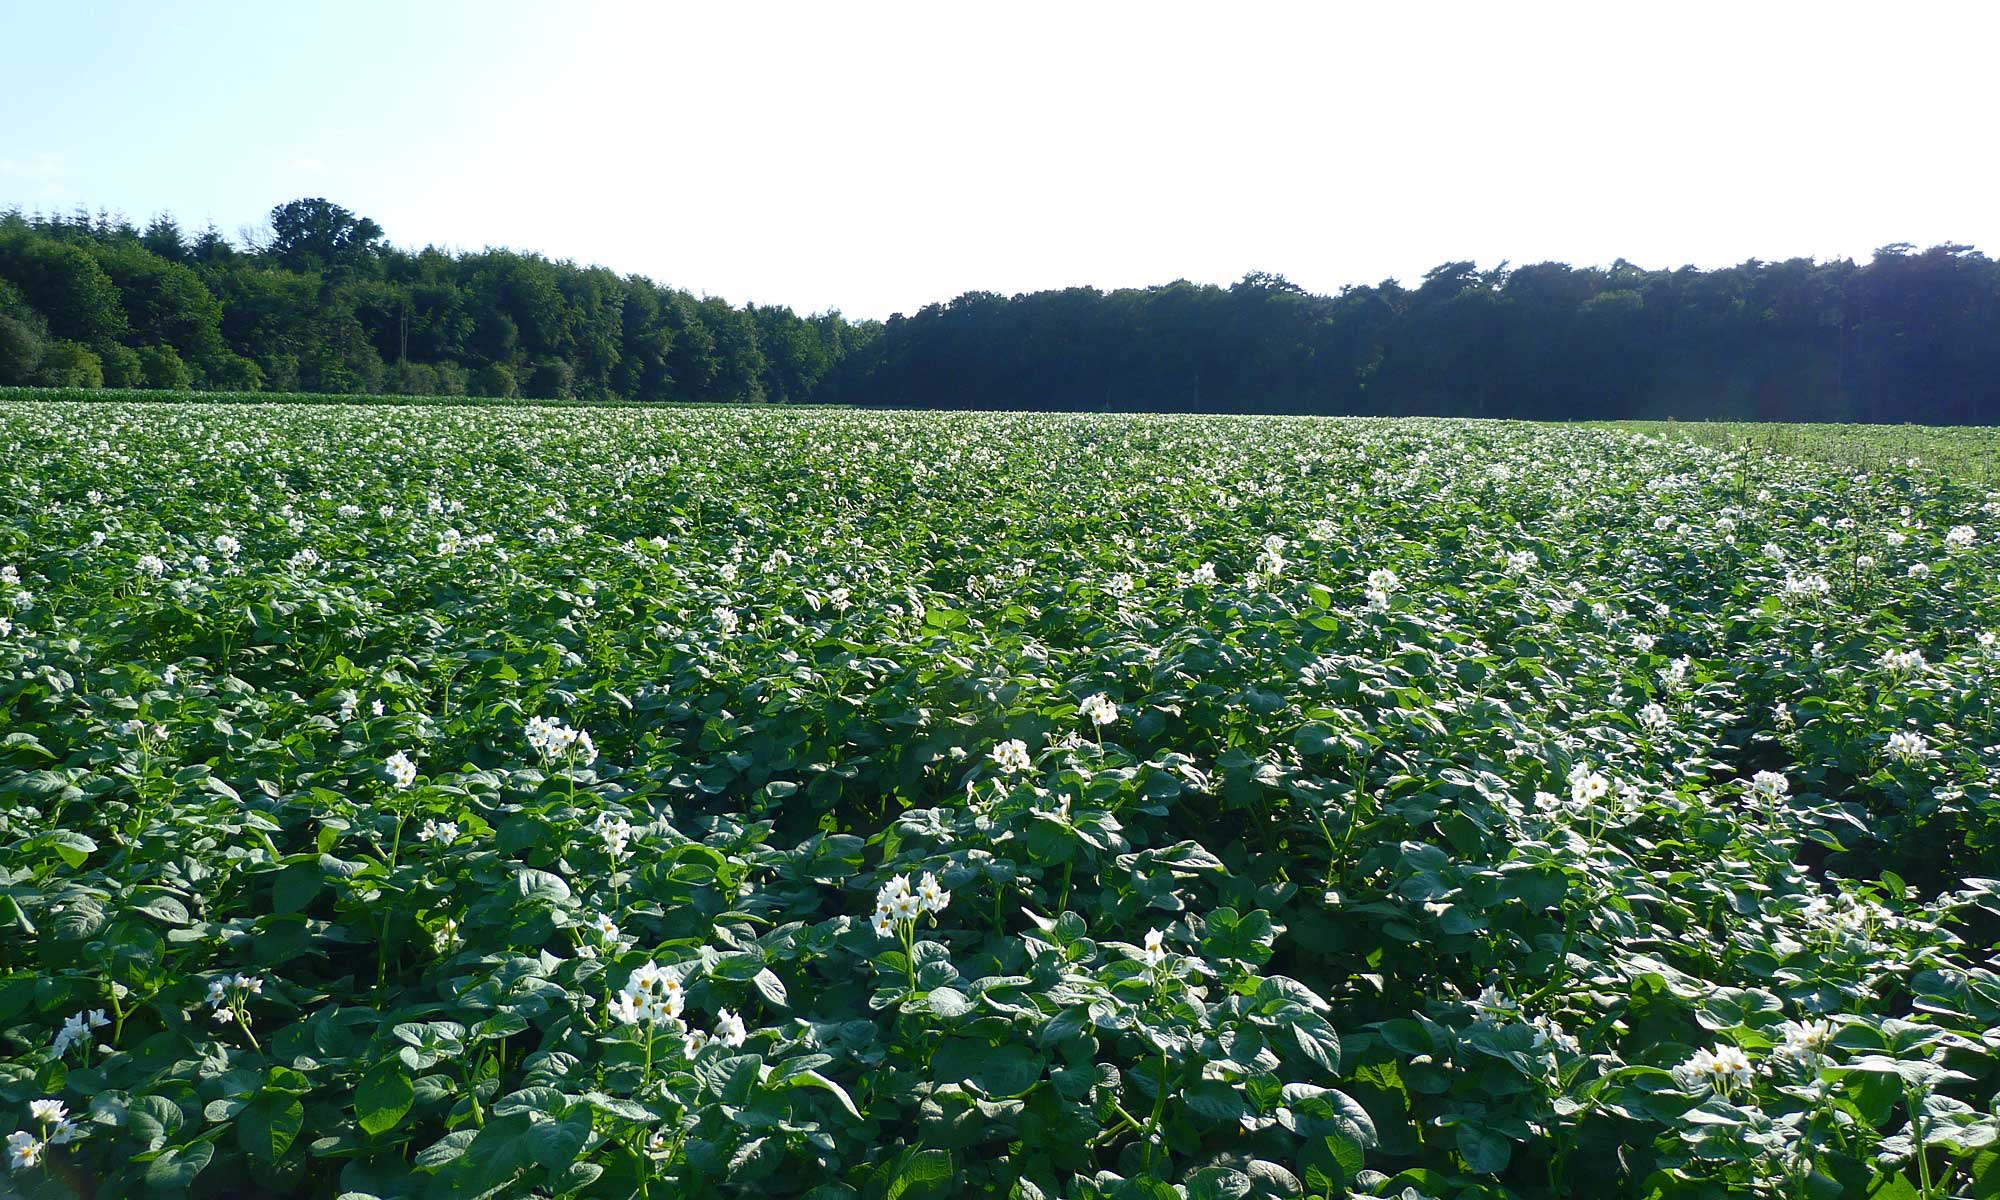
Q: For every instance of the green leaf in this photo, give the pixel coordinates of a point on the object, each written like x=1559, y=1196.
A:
x=1215, y=1100
x=545, y=886
x=1484, y=1151
x=267, y=1128
x=1006, y=1071
x=295, y=887
x=921, y=1169
x=177, y=1168
x=154, y=1120
x=555, y=1144
x=814, y=1079
x=167, y=909
x=383, y=1098
x=949, y=1003
x=772, y=987
x=78, y=918
x=72, y=847
x=448, y=1148
x=1331, y=1163
x=1218, y=1183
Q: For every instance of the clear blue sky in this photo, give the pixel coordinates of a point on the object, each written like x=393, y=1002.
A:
x=877, y=157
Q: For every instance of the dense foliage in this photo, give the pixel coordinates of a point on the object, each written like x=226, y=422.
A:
x=321, y=303
x=1905, y=337
x=450, y=801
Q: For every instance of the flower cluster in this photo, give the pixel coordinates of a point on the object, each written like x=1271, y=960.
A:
x=402, y=772
x=1011, y=756
x=729, y=1031
x=76, y=1029
x=1769, y=787
x=1382, y=583
x=1909, y=747
x=605, y=928
x=1099, y=710
x=651, y=996
x=552, y=739
x=615, y=832
x=1807, y=1041
x=227, y=997
x=1587, y=786
x=25, y=1149
x=1723, y=1071
x=898, y=905
x=1902, y=662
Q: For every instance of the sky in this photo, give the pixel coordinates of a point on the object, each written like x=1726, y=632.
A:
x=878, y=157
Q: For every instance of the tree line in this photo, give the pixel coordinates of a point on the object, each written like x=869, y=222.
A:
x=324, y=304
x=1907, y=336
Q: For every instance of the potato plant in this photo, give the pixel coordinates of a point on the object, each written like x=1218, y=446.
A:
x=505, y=801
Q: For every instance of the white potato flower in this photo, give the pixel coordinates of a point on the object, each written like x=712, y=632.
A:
x=729, y=1029
x=1769, y=786
x=1011, y=756
x=402, y=772
x=1908, y=746
x=1099, y=709
x=1722, y=1070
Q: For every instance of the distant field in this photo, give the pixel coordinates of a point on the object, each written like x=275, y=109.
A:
x=1969, y=452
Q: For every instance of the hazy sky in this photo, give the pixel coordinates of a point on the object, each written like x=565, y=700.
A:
x=876, y=157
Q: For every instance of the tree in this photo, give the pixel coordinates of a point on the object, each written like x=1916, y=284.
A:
x=211, y=248
x=65, y=284
x=552, y=379
x=161, y=368
x=494, y=379
x=121, y=366
x=318, y=235
x=165, y=303
x=411, y=379
x=739, y=363
x=163, y=237
x=691, y=360
x=68, y=364
x=646, y=343
x=794, y=357
x=23, y=337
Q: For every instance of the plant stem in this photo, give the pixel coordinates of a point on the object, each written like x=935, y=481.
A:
x=244, y=1023
x=1159, y=1112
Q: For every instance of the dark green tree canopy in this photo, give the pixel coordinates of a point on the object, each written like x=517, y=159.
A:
x=326, y=304
x=314, y=235
x=329, y=305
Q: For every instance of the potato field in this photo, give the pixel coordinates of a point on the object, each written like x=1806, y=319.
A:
x=426, y=801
